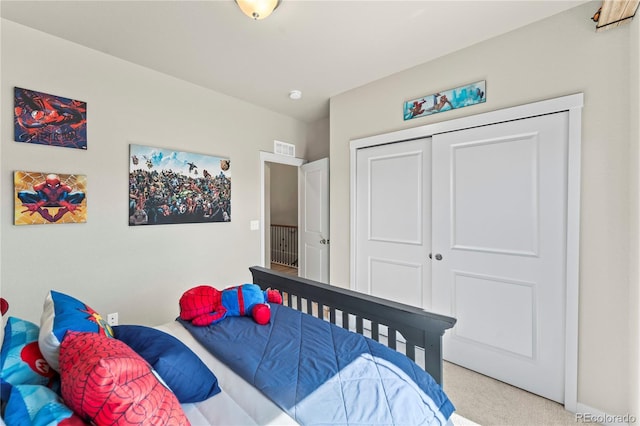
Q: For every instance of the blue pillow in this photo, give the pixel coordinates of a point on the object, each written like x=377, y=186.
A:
x=38, y=405
x=181, y=369
x=60, y=314
x=21, y=362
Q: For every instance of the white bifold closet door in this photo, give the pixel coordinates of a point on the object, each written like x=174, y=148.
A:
x=393, y=222
x=499, y=226
x=472, y=224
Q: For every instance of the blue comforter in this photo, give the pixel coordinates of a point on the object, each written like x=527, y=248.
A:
x=321, y=374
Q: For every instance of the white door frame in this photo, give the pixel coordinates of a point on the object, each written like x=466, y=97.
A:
x=269, y=157
x=571, y=103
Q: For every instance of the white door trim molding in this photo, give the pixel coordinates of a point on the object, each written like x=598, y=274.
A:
x=571, y=103
x=269, y=157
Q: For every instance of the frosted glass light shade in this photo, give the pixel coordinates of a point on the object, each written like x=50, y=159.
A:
x=257, y=9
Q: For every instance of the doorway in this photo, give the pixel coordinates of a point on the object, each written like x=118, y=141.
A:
x=283, y=218
x=313, y=213
x=282, y=164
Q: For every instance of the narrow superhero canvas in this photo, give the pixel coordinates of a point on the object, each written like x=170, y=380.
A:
x=446, y=100
x=49, y=198
x=168, y=186
x=45, y=119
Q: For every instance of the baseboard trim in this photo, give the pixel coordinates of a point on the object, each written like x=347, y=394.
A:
x=586, y=414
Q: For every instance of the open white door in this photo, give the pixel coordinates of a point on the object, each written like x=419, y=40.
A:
x=313, y=211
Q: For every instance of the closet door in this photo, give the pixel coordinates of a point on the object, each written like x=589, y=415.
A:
x=499, y=212
x=393, y=222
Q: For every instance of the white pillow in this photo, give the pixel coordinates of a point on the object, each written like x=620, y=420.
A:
x=60, y=314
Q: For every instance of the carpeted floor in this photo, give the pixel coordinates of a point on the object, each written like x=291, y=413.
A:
x=489, y=402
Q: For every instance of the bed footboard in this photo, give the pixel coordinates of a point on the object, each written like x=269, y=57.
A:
x=384, y=319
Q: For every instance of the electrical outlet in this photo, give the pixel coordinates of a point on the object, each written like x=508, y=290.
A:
x=112, y=319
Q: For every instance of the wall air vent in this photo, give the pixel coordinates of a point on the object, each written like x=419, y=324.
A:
x=284, y=148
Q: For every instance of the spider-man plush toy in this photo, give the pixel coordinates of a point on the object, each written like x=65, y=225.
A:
x=204, y=305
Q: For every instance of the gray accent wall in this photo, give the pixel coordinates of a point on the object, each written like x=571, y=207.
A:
x=558, y=56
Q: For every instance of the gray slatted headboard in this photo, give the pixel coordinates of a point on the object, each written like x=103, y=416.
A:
x=420, y=329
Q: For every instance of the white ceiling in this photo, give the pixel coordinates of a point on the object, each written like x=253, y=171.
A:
x=322, y=47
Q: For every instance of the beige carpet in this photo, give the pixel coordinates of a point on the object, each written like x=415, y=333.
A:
x=489, y=402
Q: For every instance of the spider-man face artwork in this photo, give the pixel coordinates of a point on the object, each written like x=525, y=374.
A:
x=49, y=120
x=49, y=198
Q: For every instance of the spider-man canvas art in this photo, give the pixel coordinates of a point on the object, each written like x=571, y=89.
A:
x=168, y=186
x=46, y=198
x=46, y=119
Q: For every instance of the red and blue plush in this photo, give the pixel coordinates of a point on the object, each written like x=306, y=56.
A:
x=205, y=305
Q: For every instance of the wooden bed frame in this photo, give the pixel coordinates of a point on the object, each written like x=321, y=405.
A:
x=420, y=329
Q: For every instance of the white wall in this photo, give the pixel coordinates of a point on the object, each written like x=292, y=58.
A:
x=318, y=140
x=284, y=194
x=558, y=56
x=139, y=272
x=634, y=250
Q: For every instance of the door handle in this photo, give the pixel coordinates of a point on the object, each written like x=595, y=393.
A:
x=438, y=256
x=323, y=241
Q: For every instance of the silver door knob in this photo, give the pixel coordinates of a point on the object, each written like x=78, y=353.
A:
x=438, y=256
x=323, y=241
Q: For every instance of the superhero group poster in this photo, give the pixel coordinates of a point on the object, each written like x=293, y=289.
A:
x=168, y=186
x=49, y=198
x=446, y=100
x=45, y=119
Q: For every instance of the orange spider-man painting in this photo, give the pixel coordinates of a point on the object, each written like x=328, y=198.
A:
x=43, y=198
x=49, y=120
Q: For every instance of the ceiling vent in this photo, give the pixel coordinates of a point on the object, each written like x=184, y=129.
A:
x=284, y=148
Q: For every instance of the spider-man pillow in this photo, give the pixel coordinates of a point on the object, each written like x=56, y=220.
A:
x=21, y=362
x=107, y=383
x=60, y=314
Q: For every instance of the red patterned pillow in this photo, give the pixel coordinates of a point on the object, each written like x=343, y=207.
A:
x=107, y=383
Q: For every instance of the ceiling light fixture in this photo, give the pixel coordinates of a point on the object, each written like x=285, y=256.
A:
x=257, y=9
x=295, y=95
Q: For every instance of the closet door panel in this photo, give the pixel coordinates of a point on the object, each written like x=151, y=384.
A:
x=499, y=229
x=393, y=228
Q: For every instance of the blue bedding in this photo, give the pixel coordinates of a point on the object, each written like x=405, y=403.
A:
x=321, y=374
